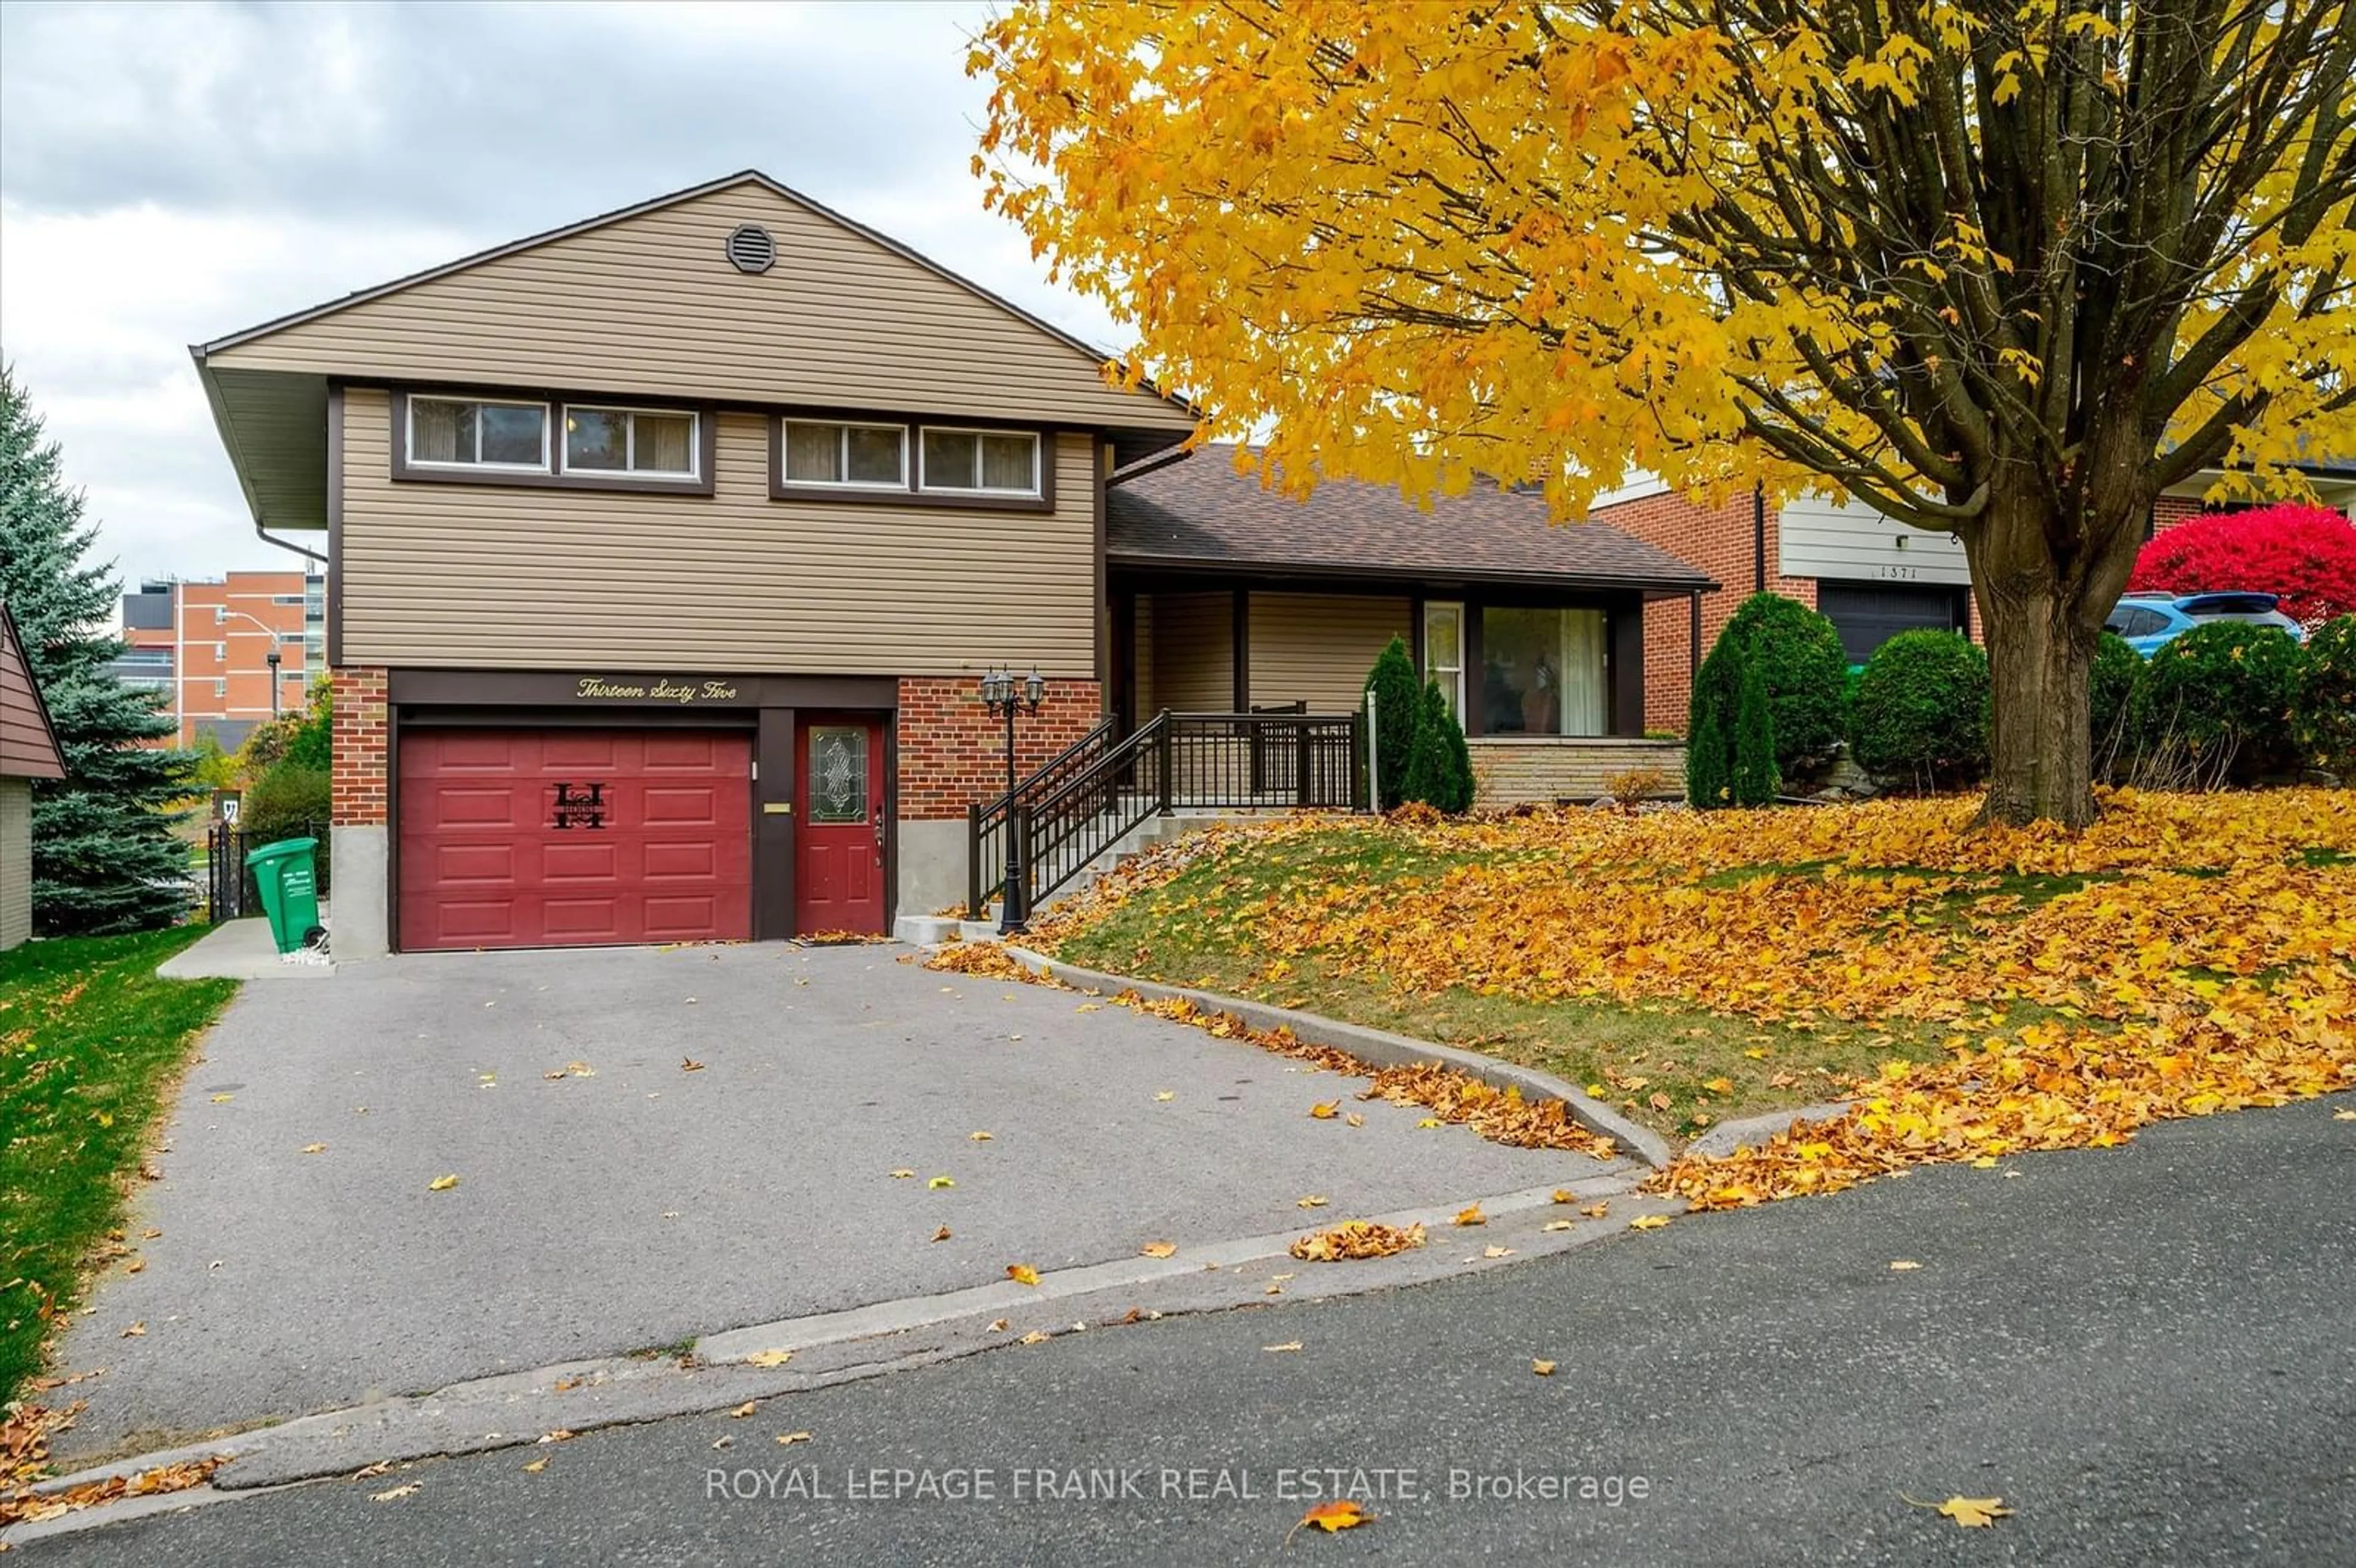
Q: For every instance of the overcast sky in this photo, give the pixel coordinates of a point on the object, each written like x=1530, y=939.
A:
x=172, y=174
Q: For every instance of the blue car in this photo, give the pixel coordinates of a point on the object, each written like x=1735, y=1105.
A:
x=2150, y=620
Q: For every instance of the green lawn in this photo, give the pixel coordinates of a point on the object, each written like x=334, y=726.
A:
x=91, y=1042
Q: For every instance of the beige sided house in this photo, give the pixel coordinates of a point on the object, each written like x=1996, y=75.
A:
x=666, y=551
x=29, y=751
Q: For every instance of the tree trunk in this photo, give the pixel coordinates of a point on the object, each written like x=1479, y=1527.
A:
x=2041, y=616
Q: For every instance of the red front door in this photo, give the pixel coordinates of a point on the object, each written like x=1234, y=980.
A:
x=838, y=835
x=574, y=838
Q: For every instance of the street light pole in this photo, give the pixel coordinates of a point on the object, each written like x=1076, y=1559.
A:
x=1003, y=695
x=270, y=658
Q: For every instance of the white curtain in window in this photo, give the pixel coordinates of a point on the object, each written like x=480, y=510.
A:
x=1582, y=672
x=434, y=432
x=1006, y=462
x=814, y=452
x=660, y=442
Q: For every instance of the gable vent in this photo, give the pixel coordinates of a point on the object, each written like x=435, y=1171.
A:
x=750, y=250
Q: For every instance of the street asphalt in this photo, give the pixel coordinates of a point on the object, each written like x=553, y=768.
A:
x=2148, y=1352
x=644, y=1203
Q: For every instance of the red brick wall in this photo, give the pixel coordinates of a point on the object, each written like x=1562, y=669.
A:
x=2170, y=510
x=359, y=747
x=953, y=753
x=1718, y=541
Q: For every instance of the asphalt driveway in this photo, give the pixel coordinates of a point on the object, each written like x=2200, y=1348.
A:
x=640, y=1203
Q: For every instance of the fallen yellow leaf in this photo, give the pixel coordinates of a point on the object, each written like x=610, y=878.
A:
x=1564, y=1195
x=223, y=1099
x=1431, y=1122
x=2343, y=1116
x=1493, y=1251
x=136, y=1331
x=1984, y=1162
x=1332, y=1517
x=942, y=1235
x=768, y=1358
x=1975, y=1514
x=746, y=1409
x=1544, y=1368
x=1159, y=1249
x=1719, y=1085
x=1037, y=1337
x=937, y=1182
x=787, y=1439
x=1902, y=1264
x=1597, y=1210
x=442, y=1184
x=998, y=1326
x=315, y=1148
x=395, y=1495
x=1355, y=1120
x=136, y=1265
x=1311, y=1201
x=978, y=1137
x=1648, y=1221
x=1470, y=1215
x=1166, y=1095
x=1277, y=1349
x=1326, y=1110
x=689, y=1065
x=903, y=1174
x=1022, y=1273
x=1560, y=1224
x=561, y=1435
x=537, y=1466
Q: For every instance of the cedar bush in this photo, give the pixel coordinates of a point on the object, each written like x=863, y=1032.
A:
x=1440, y=767
x=2323, y=720
x=2306, y=554
x=1801, y=663
x=1396, y=706
x=1709, y=728
x=1755, y=778
x=2117, y=668
x=2213, y=707
x=1922, y=710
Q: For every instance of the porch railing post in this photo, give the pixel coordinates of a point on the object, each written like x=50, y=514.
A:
x=973, y=861
x=1167, y=759
x=1362, y=763
x=1303, y=788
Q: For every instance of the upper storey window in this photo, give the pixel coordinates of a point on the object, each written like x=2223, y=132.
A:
x=859, y=455
x=658, y=443
x=981, y=462
x=449, y=433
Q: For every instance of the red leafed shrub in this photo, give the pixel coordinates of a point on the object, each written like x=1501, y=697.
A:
x=2306, y=554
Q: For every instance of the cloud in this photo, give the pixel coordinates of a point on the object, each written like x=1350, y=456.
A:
x=169, y=175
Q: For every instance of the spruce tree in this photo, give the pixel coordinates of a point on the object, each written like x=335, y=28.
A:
x=1755, y=779
x=104, y=858
x=1393, y=682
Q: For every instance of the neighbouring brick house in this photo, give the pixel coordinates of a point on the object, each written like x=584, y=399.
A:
x=667, y=552
x=1873, y=578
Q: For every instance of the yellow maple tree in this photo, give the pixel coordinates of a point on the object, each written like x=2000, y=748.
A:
x=2003, y=271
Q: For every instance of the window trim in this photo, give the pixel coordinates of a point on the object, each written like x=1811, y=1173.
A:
x=692, y=472
x=1432, y=668
x=409, y=434
x=502, y=478
x=1038, y=462
x=899, y=486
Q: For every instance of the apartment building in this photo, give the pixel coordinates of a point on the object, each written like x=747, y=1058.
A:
x=210, y=645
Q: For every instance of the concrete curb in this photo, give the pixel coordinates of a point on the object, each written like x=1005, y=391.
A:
x=1727, y=1136
x=1379, y=1046
x=511, y=1409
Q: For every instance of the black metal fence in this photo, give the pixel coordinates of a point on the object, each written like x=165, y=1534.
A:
x=229, y=890
x=1208, y=762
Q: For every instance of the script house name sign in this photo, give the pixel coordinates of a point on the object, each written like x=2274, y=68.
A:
x=598, y=688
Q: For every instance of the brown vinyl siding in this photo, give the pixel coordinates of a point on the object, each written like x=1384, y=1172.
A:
x=1194, y=653
x=484, y=577
x=28, y=748
x=1148, y=704
x=16, y=861
x=1317, y=647
x=648, y=306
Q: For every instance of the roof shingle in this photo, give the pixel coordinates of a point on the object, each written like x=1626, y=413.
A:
x=1201, y=512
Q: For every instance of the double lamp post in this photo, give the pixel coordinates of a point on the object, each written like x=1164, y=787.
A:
x=1006, y=694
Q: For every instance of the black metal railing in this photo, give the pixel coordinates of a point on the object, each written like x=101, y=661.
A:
x=229, y=890
x=1212, y=762
x=986, y=825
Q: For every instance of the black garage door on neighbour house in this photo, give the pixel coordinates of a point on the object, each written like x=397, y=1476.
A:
x=1867, y=615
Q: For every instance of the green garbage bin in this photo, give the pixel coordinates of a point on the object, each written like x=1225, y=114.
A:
x=287, y=874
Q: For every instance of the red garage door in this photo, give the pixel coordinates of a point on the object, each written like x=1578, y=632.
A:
x=574, y=838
